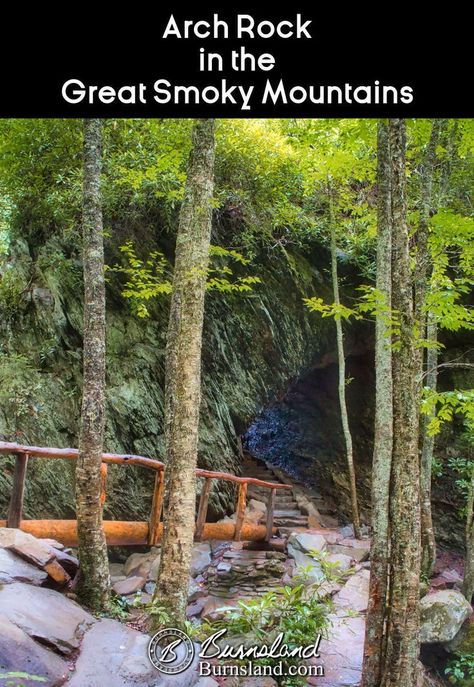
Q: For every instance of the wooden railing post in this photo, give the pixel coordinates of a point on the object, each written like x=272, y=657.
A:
x=156, y=507
x=202, y=511
x=270, y=512
x=15, y=510
x=103, y=483
x=240, y=511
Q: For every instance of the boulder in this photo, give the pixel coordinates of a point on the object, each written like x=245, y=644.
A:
x=442, y=615
x=129, y=585
x=215, y=607
x=25, y=545
x=253, y=504
x=358, y=554
x=342, y=561
x=115, y=655
x=19, y=653
x=141, y=563
x=313, y=571
x=200, y=558
x=355, y=593
x=155, y=569
x=45, y=615
x=307, y=542
x=463, y=643
x=14, y=569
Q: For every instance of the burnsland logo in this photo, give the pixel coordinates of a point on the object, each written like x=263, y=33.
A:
x=171, y=651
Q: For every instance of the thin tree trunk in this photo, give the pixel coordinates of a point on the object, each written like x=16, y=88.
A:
x=402, y=631
x=183, y=373
x=383, y=440
x=423, y=270
x=428, y=540
x=468, y=582
x=342, y=376
x=94, y=584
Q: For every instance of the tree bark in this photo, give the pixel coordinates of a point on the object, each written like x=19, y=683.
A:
x=94, y=583
x=183, y=374
x=402, y=630
x=383, y=440
x=428, y=540
x=468, y=582
x=427, y=326
x=341, y=361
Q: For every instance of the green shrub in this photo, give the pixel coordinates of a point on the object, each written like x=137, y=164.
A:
x=460, y=670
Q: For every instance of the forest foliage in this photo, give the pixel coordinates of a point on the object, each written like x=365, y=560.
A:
x=270, y=194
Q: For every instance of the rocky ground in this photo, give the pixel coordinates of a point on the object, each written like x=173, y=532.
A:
x=44, y=632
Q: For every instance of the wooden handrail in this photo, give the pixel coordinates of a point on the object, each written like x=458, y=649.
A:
x=154, y=527
x=122, y=459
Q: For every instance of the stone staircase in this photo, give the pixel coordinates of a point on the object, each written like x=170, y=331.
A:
x=288, y=517
x=249, y=570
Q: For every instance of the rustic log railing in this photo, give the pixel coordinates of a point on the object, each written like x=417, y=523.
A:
x=123, y=533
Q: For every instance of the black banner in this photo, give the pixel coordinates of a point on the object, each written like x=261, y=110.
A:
x=242, y=63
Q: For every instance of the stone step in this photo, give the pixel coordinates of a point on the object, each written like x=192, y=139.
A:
x=285, y=531
x=287, y=513
x=290, y=522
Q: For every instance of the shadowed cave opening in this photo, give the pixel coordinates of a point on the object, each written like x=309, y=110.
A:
x=301, y=433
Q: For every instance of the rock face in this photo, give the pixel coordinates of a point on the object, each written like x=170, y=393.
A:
x=299, y=545
x=113, y=655
x=13, y=569
x=20, y=653
x=45, y=615
x=342, y=653
x=25, y=558
x=442, y=615
x=355, y=593
x=201, y=558
x=251, y=351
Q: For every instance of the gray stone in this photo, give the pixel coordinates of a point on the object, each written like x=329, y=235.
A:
x=129, y=585
x=117, y=570
x=19, y=653
x=342, y=561
x=26, y=546
x=253, y=504
x=114, y=655
x=442, y=614
x=195, y=590
x=201, y=558
x=45, y=615
x=155, y=569
x=139, y=564
x=215, y=607
x=357, y=554
x=150, y=588
x=14, y=569
x=355, y=593
x=306, y=542
x=314, y=574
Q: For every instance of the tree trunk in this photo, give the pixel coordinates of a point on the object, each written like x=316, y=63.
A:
x=468, y=582
x=342, y=376
x=423, y=272
x=428, y=540
x=383, y=440
x=94, y=584
x=402, y=630
x=183, y=374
